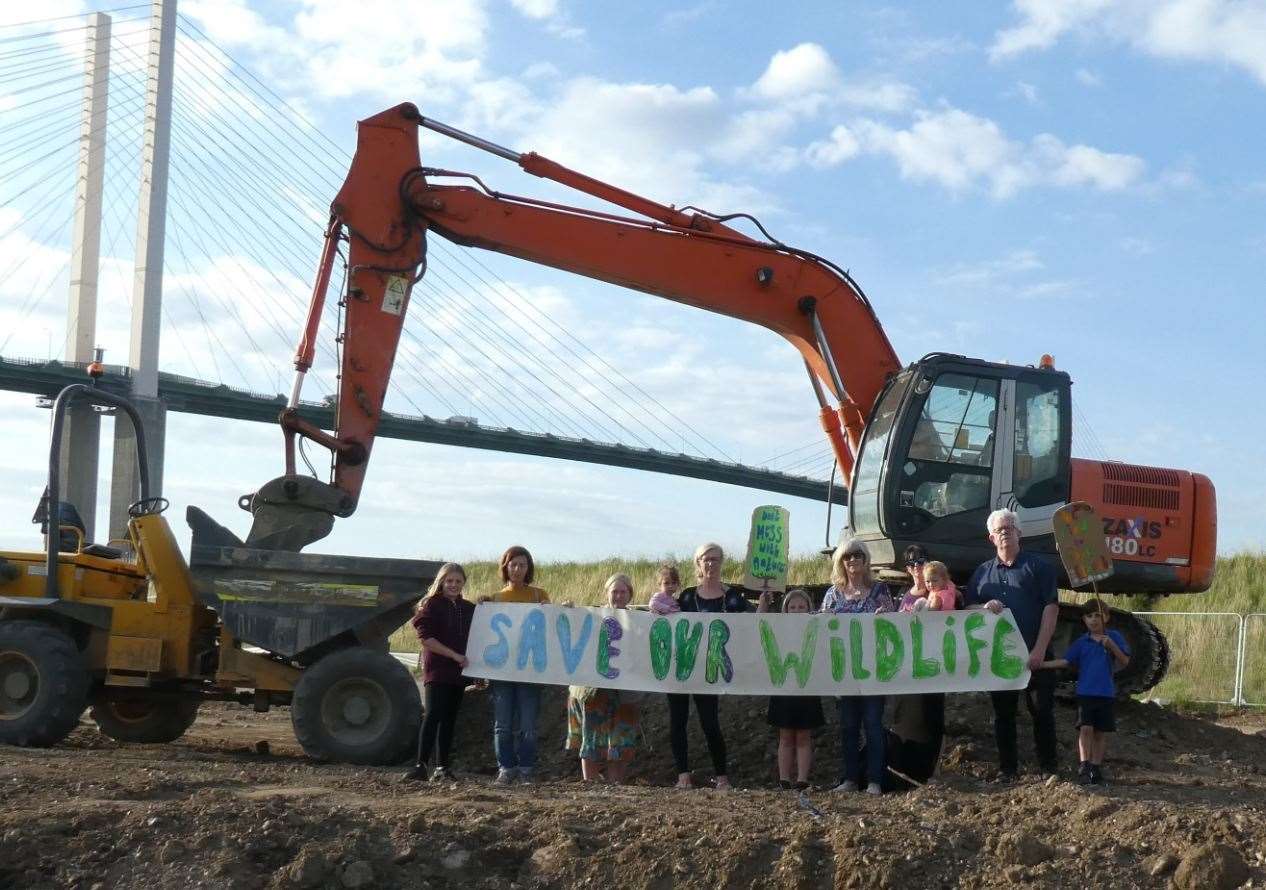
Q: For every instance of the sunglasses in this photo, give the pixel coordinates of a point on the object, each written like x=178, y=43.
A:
x=915, y=563
x=854, y=555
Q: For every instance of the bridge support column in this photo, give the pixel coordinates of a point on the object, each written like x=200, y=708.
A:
x=83, y=426
x=147, y=285
x=125, y=486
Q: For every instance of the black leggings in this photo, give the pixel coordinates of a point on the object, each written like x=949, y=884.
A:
x=441, y=701
x=709, y=722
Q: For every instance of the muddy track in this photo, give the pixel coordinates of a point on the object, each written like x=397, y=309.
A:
x=236, y=804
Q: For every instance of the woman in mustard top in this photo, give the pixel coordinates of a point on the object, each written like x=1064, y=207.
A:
x=515, y=704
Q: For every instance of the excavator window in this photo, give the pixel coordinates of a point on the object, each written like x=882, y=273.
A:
x=948, y=468
x=1039, y=464
x=868, y=477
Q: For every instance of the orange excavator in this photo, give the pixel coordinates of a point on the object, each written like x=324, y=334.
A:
x=929, y=449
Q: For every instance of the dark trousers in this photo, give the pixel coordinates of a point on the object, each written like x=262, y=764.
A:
x=709, y=722
x=858, y=712
x=442, y=702
x=1039, y=697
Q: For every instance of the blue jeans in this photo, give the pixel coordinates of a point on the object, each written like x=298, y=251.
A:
x=856, y=712
x=514, y=723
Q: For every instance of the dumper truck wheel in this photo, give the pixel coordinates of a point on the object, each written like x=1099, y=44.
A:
x=357, y=706
x=144, y=722
x=43, y=684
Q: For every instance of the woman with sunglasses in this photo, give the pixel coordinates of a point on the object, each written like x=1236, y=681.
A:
x=916, y=557
x=854, y=591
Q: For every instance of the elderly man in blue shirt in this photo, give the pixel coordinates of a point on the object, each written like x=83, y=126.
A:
x=1026, y=584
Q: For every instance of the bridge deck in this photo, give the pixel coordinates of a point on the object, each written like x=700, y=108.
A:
x=185, y=394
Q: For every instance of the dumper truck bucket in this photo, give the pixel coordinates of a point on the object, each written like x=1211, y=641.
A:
x=295, y=604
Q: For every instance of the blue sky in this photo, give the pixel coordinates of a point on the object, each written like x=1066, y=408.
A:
x=1003, y=179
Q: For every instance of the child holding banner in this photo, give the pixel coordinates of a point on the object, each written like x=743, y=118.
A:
x=442, y=623
x=603, y=724
x=515, y=704
x=796, y=716
x=853, y=591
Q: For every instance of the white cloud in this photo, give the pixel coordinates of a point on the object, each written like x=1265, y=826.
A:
x=803, y=70
x=654, y=139
x=1088, y=78
x=1044, y=22
x=1026, y=91
x=805, y=78
x=961, y=151
x=878, y=95
x=536, y=9
x=990, y=272
x=838, y=148
x=1231, y=32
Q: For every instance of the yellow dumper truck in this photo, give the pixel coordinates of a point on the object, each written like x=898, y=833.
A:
x=135, y=634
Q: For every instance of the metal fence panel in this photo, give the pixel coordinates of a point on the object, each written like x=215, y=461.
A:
x=1206, y=654
x=1253, y=661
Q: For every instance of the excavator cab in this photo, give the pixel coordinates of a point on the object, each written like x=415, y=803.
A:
x=950, y=440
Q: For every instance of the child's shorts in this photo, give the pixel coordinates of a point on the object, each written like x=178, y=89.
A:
x=1097, y=712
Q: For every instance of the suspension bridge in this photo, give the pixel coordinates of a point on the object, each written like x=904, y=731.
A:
x=214, y=255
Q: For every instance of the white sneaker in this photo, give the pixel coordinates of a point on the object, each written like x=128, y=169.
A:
x=873, y=788
x=506, y=776
x=847, y=786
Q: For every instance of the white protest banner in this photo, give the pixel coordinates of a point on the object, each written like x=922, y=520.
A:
x=748, y=654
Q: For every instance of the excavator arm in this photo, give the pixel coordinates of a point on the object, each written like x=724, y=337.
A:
x=389, y=203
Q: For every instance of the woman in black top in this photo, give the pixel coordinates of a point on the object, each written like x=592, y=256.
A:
x=709, y=595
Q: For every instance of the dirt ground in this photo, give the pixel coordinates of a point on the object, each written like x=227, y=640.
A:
x=235, y=804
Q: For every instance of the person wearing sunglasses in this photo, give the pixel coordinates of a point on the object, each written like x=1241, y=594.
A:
x=916, y=557
x=854, y=590
x=1026, y=584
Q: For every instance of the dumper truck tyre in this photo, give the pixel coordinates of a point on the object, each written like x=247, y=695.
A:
x=357, y=706
x=44, y=684
x=142, y=721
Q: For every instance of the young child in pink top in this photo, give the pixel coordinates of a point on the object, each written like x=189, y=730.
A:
x=668, y=583
x=939, y=594
x=942, y=594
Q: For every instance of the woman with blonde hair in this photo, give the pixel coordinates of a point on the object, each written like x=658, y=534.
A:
x=442, y=623
x=709, y=595
x=854, y=591
x=603, y=724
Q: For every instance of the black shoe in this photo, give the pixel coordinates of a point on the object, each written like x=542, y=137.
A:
x=415, y=774
x=441, y=774
x=1084, y=774
x=1006, y=777
x=1096, y=774
x=802, y=786
x=785, y=784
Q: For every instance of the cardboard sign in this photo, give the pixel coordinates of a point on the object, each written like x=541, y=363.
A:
x=748, y=654
x=1082, y=547
x=767, y=547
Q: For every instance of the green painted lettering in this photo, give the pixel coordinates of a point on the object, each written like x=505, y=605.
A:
x=855, y=649
x=718, y=659
x=661, y=643
x=687, y=647
x=890, y=650
x=802, y=662
x=949, y=647
x=1001, y=662
x=974, y=622
x=923, y=667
